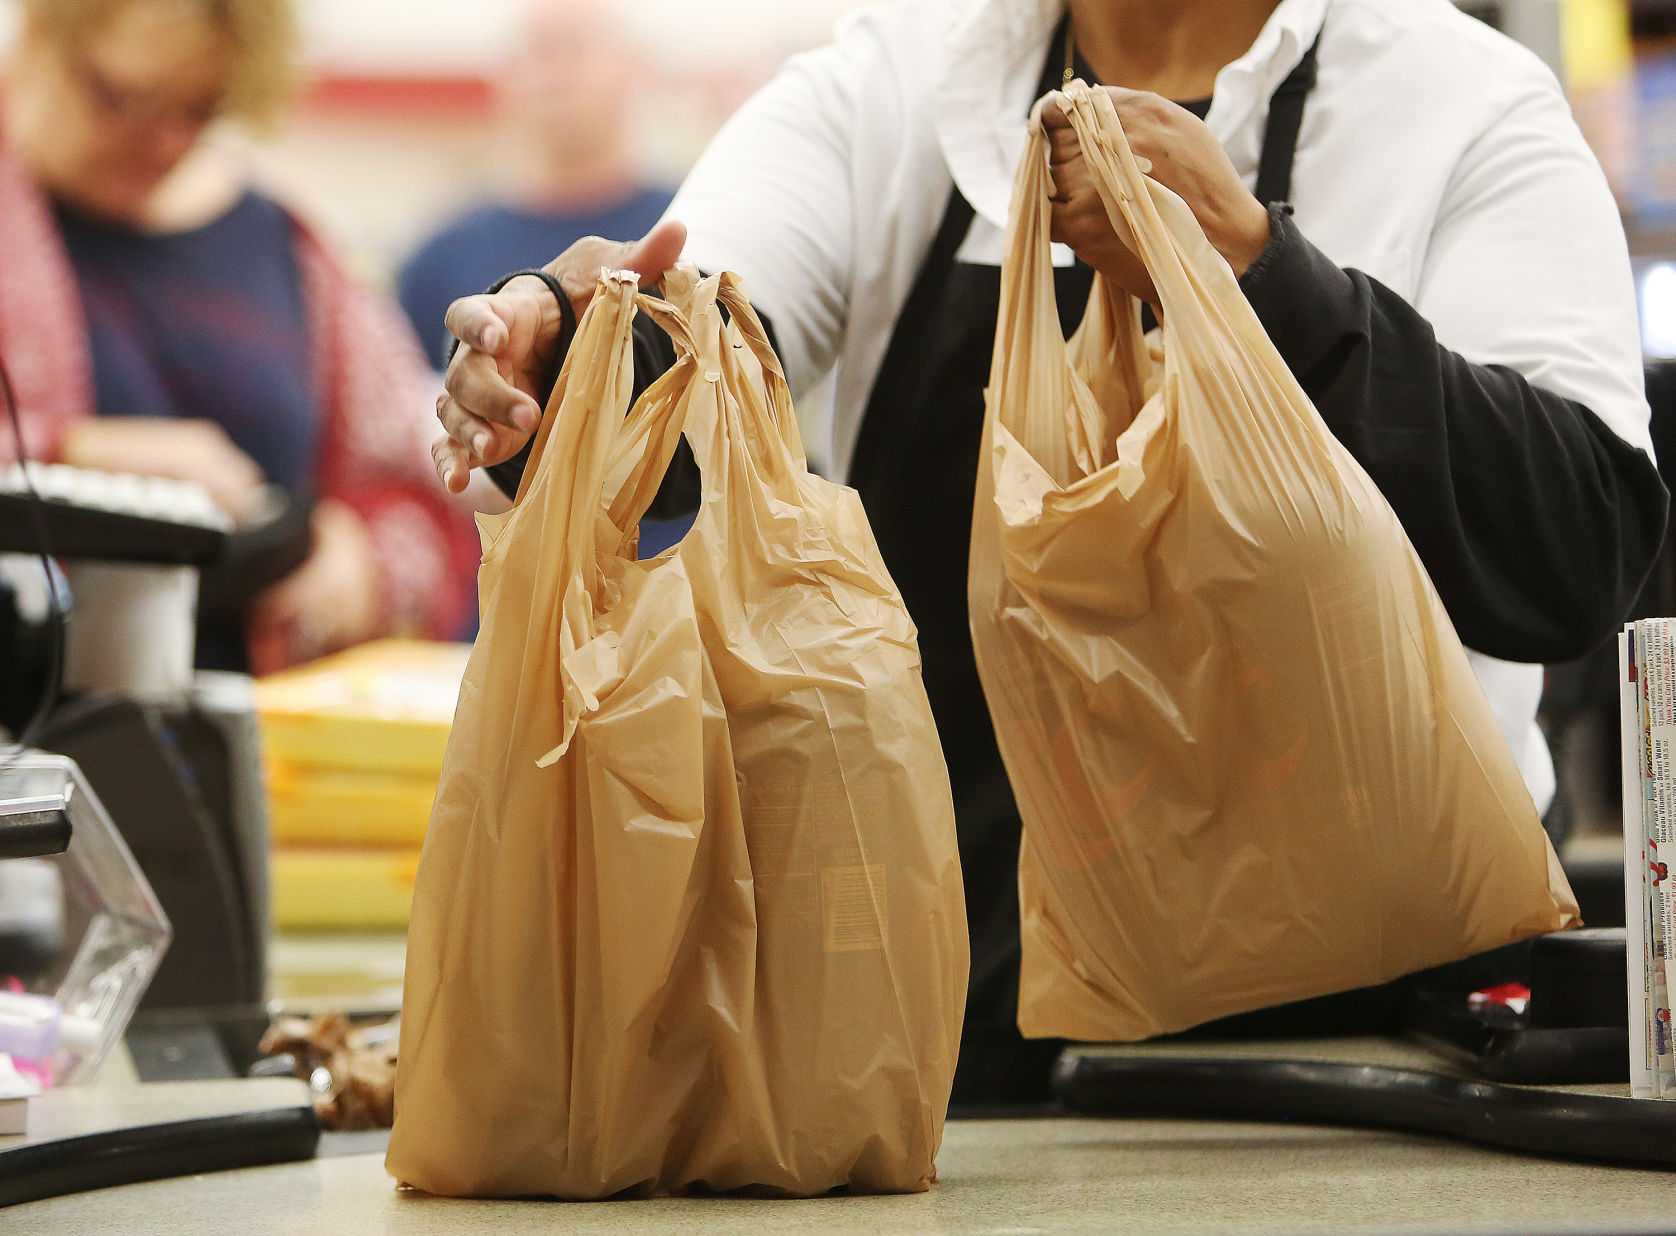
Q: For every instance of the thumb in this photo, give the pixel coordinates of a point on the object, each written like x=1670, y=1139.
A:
x=658, y=250
x=579, y=266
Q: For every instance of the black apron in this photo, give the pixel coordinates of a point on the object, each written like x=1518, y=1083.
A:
x=915, y=467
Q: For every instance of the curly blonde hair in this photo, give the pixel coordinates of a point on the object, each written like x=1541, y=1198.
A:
x=263, y=32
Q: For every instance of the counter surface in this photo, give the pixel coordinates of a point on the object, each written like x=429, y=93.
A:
x=1023, y=1176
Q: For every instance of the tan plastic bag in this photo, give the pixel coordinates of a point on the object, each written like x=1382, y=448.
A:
x=585, y=855
x=861, y=916
x=1252, y=760
x=615, y=982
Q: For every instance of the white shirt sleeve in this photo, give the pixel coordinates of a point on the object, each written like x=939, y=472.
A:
x=771, y=198
x=1527, y=266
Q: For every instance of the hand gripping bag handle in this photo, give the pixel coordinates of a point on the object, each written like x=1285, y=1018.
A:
x=1030, y=373
x=1156, y=225
x=612, y=295
x=1040, y=399
x=641, y=421
x=1203, y=309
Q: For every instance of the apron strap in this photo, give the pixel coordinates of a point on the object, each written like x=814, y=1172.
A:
x=1280, y=138
x=901, y=368
x=939, y=259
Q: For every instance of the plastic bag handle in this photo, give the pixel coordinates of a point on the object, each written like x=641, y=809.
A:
x=549, y=414
x=776, y=443
x=609, y=282
x=1031, y=378
x=738, y=426
x=568, y=468
x=1030, y=369
x=730, y=292
x=653, y=426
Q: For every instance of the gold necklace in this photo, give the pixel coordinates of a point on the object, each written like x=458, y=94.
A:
x=1070, y=52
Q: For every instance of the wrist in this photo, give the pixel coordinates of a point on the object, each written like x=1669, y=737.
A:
x=1243, y=235
x=542, y=290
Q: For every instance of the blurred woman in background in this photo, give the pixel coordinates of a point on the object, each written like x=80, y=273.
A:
x=160, y=316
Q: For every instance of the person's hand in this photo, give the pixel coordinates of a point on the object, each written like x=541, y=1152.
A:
x=1185, y=157
x=328, y=603
x=185, y=450
x=488, y=409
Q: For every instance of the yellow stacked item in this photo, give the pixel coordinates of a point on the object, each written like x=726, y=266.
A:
x=352, y=747
x=330, y=807
x=346, y=890
x=383, y=707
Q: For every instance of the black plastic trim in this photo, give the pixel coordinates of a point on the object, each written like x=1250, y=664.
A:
x=1549, y=1122
x=34, y=834
x=156, y=1151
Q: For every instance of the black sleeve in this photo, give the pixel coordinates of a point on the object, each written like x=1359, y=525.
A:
x=654, y=353
x=1536, y=522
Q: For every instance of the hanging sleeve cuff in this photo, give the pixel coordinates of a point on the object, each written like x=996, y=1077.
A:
x=1306, y=303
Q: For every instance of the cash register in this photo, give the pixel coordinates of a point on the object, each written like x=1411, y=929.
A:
x=110, y=936
x=171, y=752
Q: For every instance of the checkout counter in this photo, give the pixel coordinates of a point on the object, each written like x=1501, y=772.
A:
x=1000, y=1176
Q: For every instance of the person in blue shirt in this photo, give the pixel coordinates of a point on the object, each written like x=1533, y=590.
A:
x=565, y=120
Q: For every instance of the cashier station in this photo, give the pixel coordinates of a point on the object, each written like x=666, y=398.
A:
x=172, y=755
x=113, y=936
x=172, y=752
x=166, y=758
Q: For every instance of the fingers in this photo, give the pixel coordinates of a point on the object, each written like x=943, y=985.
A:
x=481, y=390
x=453, y=463
x=236, y=484
x=577, y=268
x=1083, y=224
x=477, y=322
x=486, y=410
x=1148, y=121
x=485, y=419
x=1063, y=144
x=473, y=434
x=1052, y=112
x=1138, y=106
x=201, y=451
x=480, y=441
x=1070, y=178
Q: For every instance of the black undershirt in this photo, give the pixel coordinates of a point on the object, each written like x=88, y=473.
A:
x=1535, y=521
